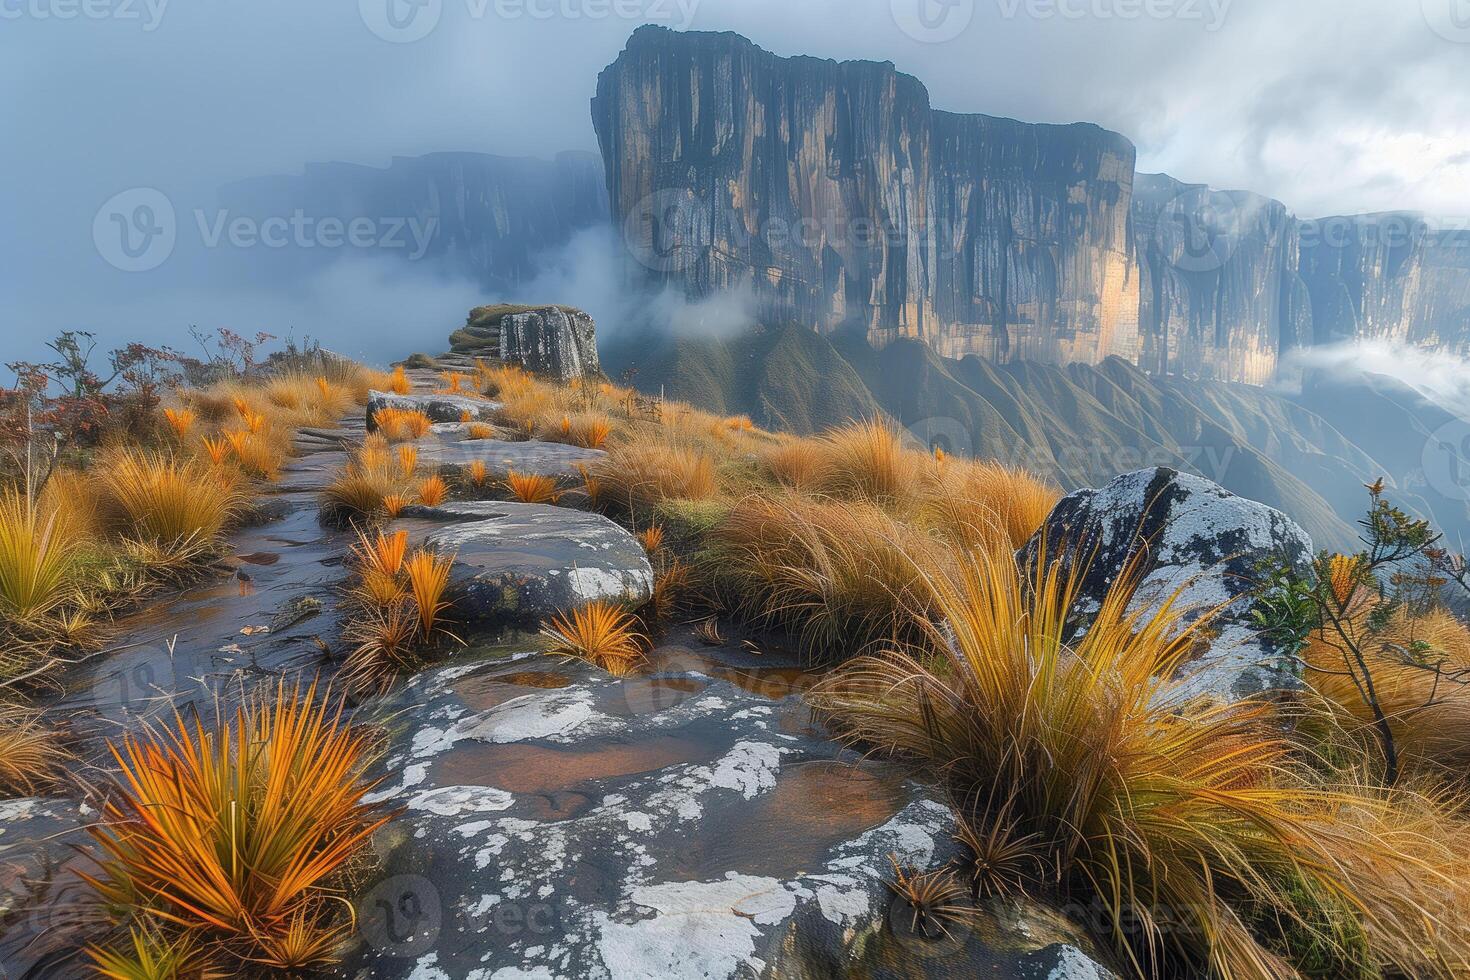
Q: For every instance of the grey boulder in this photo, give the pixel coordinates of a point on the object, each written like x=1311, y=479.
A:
x=1199, y=539
x=522, y=563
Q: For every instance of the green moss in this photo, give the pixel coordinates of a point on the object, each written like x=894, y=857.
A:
x=1319, y=936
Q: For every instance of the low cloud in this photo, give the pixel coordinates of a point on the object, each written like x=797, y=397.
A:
x=1440, y=376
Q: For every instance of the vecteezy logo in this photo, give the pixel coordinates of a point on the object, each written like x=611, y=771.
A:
x=135, y=231
x=400, y=21
x=667, y=230
x=1198, y=230
x=1447, y=460
x=932, y=21
x=133, y=684
x=401, y=916
x=1450, y=19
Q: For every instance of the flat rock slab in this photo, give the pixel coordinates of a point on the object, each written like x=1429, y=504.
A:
x=526, y=562
x=559, y=823
x=439, y=408
x=542, y=458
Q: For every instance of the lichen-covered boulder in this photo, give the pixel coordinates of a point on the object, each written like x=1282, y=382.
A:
x=522, y=563
x=1198, y=537
x=561, y=823
x=438, y=407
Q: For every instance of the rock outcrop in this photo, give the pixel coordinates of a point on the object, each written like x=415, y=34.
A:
x=523, y=563
x=1200, y=542
x=556, y=341
x=691, y=823
x=838, y=197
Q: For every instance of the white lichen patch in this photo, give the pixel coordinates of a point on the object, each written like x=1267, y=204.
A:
x=454, y=801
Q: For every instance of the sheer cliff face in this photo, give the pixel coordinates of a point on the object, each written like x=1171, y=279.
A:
x=1387, y=277
x=1220, y=296
x=484, y=216
x=839, y=197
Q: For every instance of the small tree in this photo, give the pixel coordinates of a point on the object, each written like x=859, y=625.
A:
x=1350, y=602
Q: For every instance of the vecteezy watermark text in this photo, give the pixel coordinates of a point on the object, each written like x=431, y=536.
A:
x=138, y=229
x=404, y=21
x=149, y=13
x=1209, y=13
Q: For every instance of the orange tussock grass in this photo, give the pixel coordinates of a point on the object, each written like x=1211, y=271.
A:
x=398, y=382
x=399, y=423
x=479, y=430
x=418, y=424
x=453, y=382
x=836, y=574
x=867, y=460
x=408, y=461
x=256, y=454
x=180, y=420
x=383, y=553
x=364, y=485
x=39, y=545
x=394, y=504
x=168, y=499
x=794, y=463
x=1079, y=752
x=591, y=485
x=532, y=488
x=651, y=537
x=232, y=834
x=218, y=450
x=428, y=578
x=589, y=431
x=670, y=584
x=466, y=416
x=974, y=503
x=643, y=474
x=478, y=472
x=433, y=491
x=31, y=756
x=600, y=633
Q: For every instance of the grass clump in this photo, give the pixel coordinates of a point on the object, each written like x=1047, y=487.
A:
x=31, y=754
x=600, y=633
x=1070, y=748
x=233, y=836
x=169, y=499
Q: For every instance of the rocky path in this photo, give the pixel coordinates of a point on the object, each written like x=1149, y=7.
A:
x=691, y=822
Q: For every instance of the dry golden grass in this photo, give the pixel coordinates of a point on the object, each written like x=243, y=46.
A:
x=168, y=499
x=532, y=488
x=600, y=633
x=398, y=424
x=976, y=503
x=39, y=545
x=640, y=475
x=480, y=430
x=180, y=421
x=231, y=836
x=836, y=574
x=433, y=491
x=428, y=579
x=652, y=538
x=365, y=485
x=477, y=472
x=867, y=461
x=793, y=463
x=31, y=754
x=1073, y=750
x=398, y=382
x=408, y=461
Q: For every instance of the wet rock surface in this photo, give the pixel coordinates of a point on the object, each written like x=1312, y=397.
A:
x=1198, y=539
x=691, y=823
x=522, y=563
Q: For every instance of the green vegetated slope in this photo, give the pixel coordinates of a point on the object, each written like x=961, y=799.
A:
x=1079, y=424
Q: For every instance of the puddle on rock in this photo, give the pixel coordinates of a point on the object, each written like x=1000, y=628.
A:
x=790, y=830
x=480, y=692
x=638, y=697
x=544, y=769
x=259, y=558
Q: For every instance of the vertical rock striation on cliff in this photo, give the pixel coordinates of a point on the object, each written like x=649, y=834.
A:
x=835, y=194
